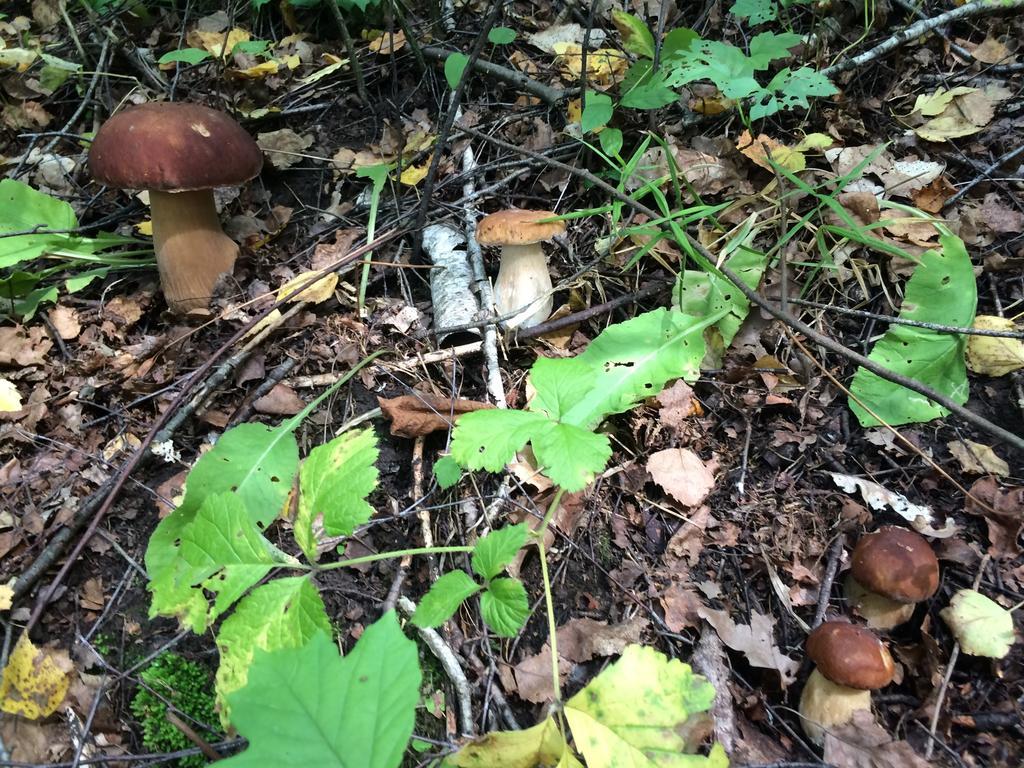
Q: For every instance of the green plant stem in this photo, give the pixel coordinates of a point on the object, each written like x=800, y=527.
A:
x=371, y=227
x=549, y=602
x=390, y=555
x=350, y=49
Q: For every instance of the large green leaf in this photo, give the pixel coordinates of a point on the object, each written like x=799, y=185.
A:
x=284, y=613
x=222, y=552
x=941, y=290
x=488, y=439
x=636, y=712
x=23, y=208
x=334, y=481
x=308, y=706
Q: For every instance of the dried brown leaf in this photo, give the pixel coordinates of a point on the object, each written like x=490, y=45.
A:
x=756, y=641
x=423, y=413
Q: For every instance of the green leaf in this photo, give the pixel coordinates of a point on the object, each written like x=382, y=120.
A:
x=505, y=606
x=501, y=35
x=637, y=712
x=570, y=455
x=444, y=598
x=597, y=112
x=755, y=11
x=981, y=626
x=542, y=744
x=447, y=471
x=941, y=290
x=636, y=37
x=559, y=384
x=611, y=141
x=223, y=552
x=23, y=208
x=643, y=89
x=497, y=549
x=677, y=42
x=185, y=56
x=284, y=613
x=489, y=439
x=251, y=47
x=309, y=707
x=454, y=66
x=334, y=481
x=766, y=47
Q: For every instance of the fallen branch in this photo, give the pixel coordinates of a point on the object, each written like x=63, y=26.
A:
x=545, y=93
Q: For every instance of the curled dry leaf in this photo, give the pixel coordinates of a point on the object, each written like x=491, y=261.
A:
x=423, y=413
x=756, y=641
x=1003, y=510
x=920, y=517
x=279, y=401
x=284, y=148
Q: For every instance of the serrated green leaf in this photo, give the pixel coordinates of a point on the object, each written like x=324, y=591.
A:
x=307, y=706
x=571, y=456
x=285, y=613
x=766, y=47
x=635, y=713
x=444, y=598
x=454, y=66
x=505, y=607
x=489, y=439
x=447, y=471
x=636, y=37
x=497, y=549
x=643, y=89
x=334, y=481
x=941, y=290
x=542, y=744
x=981, y=626
x=559, y=384
x=185, y=56
x=501, y=35
x=597, y=112
x=223, y=552
x=755, y=11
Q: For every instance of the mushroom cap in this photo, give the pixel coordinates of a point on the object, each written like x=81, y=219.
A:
x=850, y=655
x=173, y=147
x=517, y=227
x=896, y=563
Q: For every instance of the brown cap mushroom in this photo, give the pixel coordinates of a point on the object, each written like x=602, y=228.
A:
x=851, y=661
x=891, y=570
x=179, y=153
x=523, y=284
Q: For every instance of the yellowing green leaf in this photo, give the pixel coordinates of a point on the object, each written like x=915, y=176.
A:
x=636, y=37
x=18, y=58
x=765, y=150
x=541, y=745
x=982, y=627
x=638, y=712
x=219, y=44
x=994, y=355
x=414, y=174
x=317, y=293
x=947, y=127
x=10, y=398
x=935, y=104
x=258, y=71
x=34, y=682
x=814, y=141
x=978, y=459
x=333, y=65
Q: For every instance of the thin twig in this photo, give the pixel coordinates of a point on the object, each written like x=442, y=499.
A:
x=913, y=323
x=545, y=93
x=835, y=552
x=1013, y=153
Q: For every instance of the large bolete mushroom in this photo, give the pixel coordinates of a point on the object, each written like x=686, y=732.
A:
x=851, y=662
x=179, y=153
x=523, y=281
x=891, y=571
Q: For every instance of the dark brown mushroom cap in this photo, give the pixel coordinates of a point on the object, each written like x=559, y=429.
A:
x=850, y=655
x=517, y=227
x=896, y=563
x=173, y=147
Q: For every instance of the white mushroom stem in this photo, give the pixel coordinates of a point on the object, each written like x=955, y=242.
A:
x=523, y=283
x=825, y=705
x=192, y=251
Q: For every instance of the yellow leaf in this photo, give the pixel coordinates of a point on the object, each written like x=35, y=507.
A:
x=605, y=66
x=949, y=126
x=574, y=110
x=220, y=44
x=34, y=683
x=6, y=596
x=10, y=399
x=258, y=71
x=936, y=103
x=762, y=148
x=388, y=42
x=19, y=58
x=814, y=141
x=318, y=292
x=292, y=61
x=994, y=355
x=414, y=174
x=334, y=65
x=145, y=227
x=417, y=141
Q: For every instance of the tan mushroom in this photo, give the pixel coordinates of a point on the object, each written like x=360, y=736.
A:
x=179, y=153
x=523, y=284
x=851, y=662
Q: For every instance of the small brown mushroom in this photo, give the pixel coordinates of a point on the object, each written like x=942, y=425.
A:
x=851, y=662
x=179, y=153
x=523, y=284
x=891, y=570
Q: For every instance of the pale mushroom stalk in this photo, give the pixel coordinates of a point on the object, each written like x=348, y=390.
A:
x=523, y=283
x=192, y=251
x=825, y=705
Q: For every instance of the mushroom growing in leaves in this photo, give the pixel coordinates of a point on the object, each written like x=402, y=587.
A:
x=179, y=153
x=523, y=281
x=891, y=570
x=851, y=662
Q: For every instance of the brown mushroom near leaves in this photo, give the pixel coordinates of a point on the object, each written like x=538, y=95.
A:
x=179, y=153
x=523, y=282
x=851, y=662
x=891, y=571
